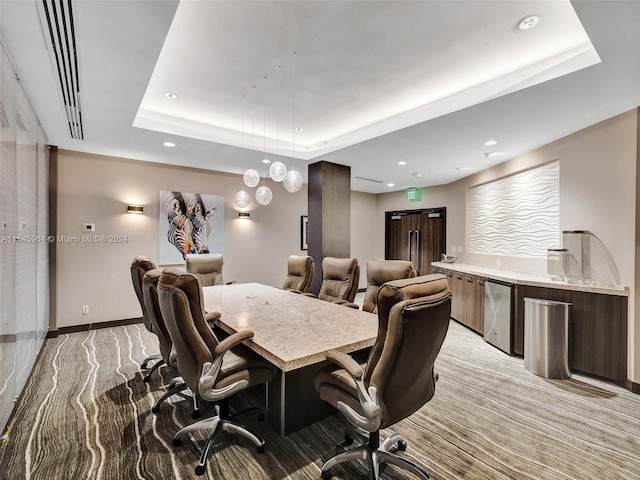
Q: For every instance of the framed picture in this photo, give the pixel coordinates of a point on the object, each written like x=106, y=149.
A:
x=304, y=222
x=189, y=223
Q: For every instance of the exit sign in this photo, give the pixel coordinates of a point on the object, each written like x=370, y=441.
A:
x=414, y=194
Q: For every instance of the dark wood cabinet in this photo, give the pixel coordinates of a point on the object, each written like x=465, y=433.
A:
x=597, y=322
x=597, y=329
x=416, y=235
x=467, y=302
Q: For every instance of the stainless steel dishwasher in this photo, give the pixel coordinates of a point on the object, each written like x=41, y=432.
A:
x=498, y=314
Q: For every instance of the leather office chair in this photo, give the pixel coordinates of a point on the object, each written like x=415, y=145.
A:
x=398, y=378
x=380, y=272
x=340, y=277
x=207, y=267
x=300, y=272
x=152, y=304
x=139, y=267
x=213, y=370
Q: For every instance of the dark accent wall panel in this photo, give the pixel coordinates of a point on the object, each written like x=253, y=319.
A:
x=329, y=200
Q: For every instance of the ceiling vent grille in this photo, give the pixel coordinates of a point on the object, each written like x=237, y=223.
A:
x=60, y=31
x=369, y=180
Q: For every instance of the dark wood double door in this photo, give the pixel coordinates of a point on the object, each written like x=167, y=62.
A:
x=416, y=235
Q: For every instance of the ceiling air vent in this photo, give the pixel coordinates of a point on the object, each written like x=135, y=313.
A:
x=368, y=180
x=57, y=23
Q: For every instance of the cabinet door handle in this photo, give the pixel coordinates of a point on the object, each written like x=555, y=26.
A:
x=418, y=252
x=470, y=280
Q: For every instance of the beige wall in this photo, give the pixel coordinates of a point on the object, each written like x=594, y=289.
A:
x=597, y=193
x=96, y=189
x=366, y=241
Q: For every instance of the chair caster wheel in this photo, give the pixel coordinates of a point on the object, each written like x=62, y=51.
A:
x=200, y=469
x=402, y=445
x=325, y=475
x=260, y=449
x=348, y=439
x=195, y=414
x=177, y=442
x=155, y=409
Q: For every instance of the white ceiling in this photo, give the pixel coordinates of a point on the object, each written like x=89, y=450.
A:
x=376, y=82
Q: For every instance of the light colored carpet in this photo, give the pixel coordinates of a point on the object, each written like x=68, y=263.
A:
x=85, y=414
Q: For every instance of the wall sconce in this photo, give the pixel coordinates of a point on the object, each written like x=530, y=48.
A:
x=244, y=215
x=135, y=208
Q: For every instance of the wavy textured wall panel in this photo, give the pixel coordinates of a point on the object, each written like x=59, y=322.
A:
x=518, y=215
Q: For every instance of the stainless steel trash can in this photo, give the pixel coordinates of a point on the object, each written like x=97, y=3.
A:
x=546, y=338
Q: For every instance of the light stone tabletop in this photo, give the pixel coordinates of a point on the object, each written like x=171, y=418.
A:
x=290, y=330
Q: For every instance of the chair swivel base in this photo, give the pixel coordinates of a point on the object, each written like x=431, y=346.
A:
x=177, y=387
x=159, y=362
x=217, y=424
x=374, y=454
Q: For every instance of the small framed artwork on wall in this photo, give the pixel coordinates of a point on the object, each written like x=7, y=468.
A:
x=304, y=222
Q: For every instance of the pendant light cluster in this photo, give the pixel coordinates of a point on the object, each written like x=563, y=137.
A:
x=278, y=172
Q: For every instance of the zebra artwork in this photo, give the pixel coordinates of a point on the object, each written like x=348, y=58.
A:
x=199, y=216
x=186, y=219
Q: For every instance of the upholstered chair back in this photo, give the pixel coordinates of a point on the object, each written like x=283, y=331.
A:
x=139, y=267
x=181, y=302
x=413, y=318
x=207, y=267
x=340, y=277
x=152, y=305
x=380, y=272
x=300, y=272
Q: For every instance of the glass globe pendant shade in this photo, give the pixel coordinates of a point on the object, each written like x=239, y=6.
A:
x=292, y=181
x=251, y=178
x=264, y=195
x=242, y=199
x=277, y=171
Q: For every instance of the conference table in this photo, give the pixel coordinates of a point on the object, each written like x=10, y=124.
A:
x=293, y=332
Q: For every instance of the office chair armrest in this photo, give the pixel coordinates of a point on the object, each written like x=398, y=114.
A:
x=231, y=341
x=346, y=362
x=370, y=421
x=210, y=370
x=211, y=316
x=344, y=303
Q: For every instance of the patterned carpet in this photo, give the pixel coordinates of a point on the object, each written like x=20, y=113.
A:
x=85, y=414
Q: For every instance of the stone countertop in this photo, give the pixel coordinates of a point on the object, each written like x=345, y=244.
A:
x=290, y=330
x=531, y=279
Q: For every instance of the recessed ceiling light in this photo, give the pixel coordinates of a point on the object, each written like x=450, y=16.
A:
x=463, y=169
x=299, y=129
x=391, y=184
x=402, y=163
x=488, y=143
x=528, y=22
x=266, y=160
x=417, y=175
x=169, y=144
x=171, y=95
